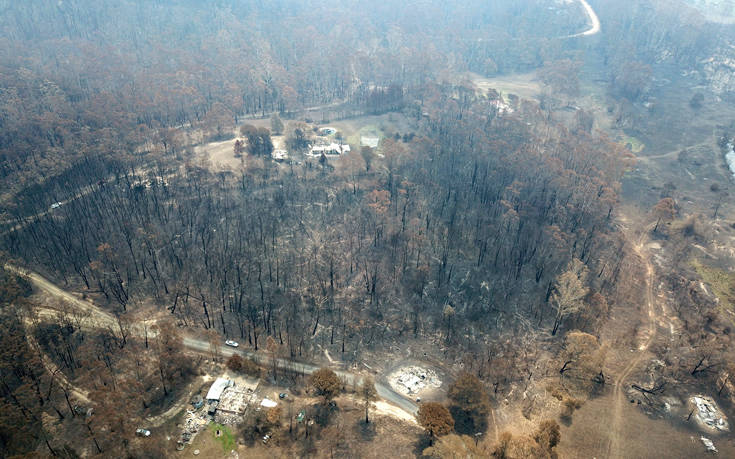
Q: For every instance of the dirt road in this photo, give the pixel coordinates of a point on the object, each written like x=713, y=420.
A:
x=19, y=224
x=101, y=318
x=384, y=390
x=594, y=21
x=97, y=317
x=52, y=369
x=619, y=396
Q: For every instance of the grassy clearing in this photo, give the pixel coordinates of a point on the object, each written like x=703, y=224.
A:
x=353, y=139
x=367, y=130
x=373, y=125
x=523, y=85
x=720, y=281
x=371, y=130
x=226, y=438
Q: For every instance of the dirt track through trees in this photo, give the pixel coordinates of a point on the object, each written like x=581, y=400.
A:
x=45, y=285
x=95, y=317
x=619, y=399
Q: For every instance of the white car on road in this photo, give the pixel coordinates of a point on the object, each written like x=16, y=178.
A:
x=231, y=343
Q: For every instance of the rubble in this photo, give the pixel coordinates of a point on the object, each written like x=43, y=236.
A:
x=279, y=155
x=719, y=70
x=412, y=380
x=226, y=404
x=730, y=158
x=708, y=414
x=708, y=445
x=228, y=419
x=194, y=422
x=234, y=401
x=501, y=107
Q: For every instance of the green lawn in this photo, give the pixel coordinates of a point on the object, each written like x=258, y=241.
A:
x=226, y=439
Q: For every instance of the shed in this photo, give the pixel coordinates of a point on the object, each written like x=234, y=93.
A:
x=215, y=391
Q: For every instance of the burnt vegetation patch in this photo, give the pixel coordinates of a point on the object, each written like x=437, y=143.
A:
x=315, y=195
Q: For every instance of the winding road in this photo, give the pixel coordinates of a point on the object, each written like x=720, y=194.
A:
x=97, y=317
x=594, y=21
x=103, y=318
x=384, y=390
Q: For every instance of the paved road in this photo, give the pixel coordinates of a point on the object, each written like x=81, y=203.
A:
x=594, y=21
x=18, y=224
x=384, y=390
x=100, y=318
x=25, y=221
x=95, y=317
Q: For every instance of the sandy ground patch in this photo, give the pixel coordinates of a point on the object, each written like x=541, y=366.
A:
x=221, y=155
x=387, y=409
x=523, y=85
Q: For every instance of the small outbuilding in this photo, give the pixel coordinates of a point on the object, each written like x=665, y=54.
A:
x=219, y=386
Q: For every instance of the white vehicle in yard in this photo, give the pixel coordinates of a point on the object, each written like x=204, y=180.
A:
x=231, y=343
x=143, y=432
